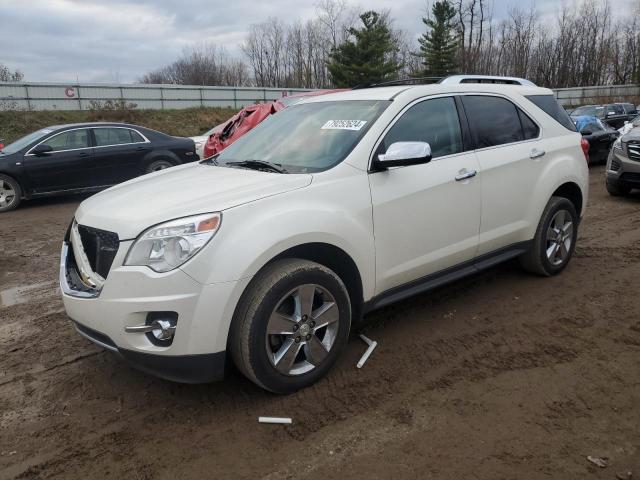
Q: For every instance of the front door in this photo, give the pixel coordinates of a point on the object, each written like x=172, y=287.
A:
x=65, y=167
x=426, y=217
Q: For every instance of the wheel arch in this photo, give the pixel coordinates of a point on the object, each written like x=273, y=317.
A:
x=572, y=192
x=335, y=259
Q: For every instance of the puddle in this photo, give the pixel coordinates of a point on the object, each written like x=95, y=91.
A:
x=26, y=293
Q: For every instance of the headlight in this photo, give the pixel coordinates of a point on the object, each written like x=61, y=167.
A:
x=617, y=144
x=168, y=245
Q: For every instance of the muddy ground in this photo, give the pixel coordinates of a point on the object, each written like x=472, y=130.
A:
x=503, y=375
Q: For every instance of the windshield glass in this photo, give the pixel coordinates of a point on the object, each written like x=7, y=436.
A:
x=589, y=110
x=24, y=141
x=306, y=138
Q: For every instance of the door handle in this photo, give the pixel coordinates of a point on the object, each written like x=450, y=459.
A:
x=464, y=174
x=535, y=153
x=83, y=154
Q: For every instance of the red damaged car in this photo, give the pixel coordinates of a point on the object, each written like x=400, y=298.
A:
x=246, y=119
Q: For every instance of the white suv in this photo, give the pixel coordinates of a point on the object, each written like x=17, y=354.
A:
x=329, y=209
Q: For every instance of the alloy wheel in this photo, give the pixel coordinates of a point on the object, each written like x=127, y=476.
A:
x=559, y=237
x=7, y=194
x=302, y=329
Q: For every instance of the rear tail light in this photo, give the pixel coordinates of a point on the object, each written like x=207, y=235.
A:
x=584, y=143
x=1, y=144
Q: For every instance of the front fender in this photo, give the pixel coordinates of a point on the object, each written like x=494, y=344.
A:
x=254, y=233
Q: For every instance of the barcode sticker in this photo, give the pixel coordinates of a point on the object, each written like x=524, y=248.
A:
x=344, y=125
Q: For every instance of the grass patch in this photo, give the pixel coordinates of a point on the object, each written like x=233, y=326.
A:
x=183, y=123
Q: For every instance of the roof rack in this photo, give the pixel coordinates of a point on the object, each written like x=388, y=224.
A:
x=456, y=79
x=451, y=80
x=401, y=81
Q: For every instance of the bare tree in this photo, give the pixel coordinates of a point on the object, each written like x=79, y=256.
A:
x=7, y=75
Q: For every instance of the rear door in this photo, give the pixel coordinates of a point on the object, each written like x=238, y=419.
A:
x=426, y=217
x=118, y=153
x=66, y=167
x=511, y=158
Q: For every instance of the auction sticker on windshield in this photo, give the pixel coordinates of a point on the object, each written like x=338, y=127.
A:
x=344, y=125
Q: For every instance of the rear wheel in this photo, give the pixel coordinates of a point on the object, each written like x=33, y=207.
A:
x=10, y=193
x=291, y=325
x=616, y=190
x=555, y=239
x=157, y=165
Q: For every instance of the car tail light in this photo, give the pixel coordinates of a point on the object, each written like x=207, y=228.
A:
x=584, y=143
x=1, y=144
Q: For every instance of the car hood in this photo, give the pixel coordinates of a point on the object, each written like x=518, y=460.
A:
x=133, y=206
x=631, y=134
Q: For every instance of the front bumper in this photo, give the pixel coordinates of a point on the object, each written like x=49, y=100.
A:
x=622, y=171
x=197, y=351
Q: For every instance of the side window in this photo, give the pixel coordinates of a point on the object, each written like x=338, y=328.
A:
x=496, y=121
x=113, y=136
x=433, y=121
x=136, y=137
x=529, y=127
x=71, y=140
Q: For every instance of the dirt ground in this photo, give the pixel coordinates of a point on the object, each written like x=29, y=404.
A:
x=500, y=376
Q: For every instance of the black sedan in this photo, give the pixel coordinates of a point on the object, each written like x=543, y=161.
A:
x=599, y=135
x=84, y=157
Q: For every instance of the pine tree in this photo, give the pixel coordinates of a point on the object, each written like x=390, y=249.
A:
x=438, y=46
x=368, y=57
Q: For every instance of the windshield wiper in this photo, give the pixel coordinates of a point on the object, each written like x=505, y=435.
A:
x=258, y=165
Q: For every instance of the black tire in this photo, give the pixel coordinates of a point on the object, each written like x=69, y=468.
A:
x=536, y=259
x=616, y=190
x=249, y=341
x=9, y=202
x=157, y=165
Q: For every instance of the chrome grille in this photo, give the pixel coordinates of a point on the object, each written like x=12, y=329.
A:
x=633, y=150
x=100, y=246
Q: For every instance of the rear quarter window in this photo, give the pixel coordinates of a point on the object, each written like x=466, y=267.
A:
x=551, y=107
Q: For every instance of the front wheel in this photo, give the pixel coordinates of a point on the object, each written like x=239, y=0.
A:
x=157, y=165
x=555, y=239
x=290, y=325
x=616, y=190
x=10, y=193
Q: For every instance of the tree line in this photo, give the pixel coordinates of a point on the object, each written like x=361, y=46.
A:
x=343, y=47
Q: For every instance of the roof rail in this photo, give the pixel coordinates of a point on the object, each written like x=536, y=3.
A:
x=456, y=79
x=401, y=81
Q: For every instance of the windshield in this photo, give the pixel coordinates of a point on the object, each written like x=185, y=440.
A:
x=591, y=111
x=24, y=141
x=306, y=138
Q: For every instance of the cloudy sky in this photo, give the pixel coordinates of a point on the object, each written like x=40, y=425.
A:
x=119, y=40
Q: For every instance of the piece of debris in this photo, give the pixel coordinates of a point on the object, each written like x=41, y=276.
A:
x=624, y=476
x=600, y=462
x=279, y=420
x=369, y=350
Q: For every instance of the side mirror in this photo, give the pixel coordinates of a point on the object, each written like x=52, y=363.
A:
x=42, y=149
x=585, y=132
x=400, y=154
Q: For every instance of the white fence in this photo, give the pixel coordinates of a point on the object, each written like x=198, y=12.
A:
x=62, y=96
x=592, y=95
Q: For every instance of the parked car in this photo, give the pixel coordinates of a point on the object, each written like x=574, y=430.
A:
x=201, y=140
x=334, y=207
x=84, y=157
x=623, y=164
x=599, y=135
x=630, y=125
x=246, y=119
x=613, y=114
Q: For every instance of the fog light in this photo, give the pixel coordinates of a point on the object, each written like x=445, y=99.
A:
x=163, y=330
x=159, y=327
